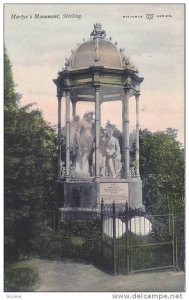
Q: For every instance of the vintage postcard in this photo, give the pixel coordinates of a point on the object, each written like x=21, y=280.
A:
x=94, y=148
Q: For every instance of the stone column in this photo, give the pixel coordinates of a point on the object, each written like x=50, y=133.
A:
x=125, y=115
x=137, y=136
x=73, y=108
x=67, y=91
x=59, y=135
x=97, y=130
x=123, y=132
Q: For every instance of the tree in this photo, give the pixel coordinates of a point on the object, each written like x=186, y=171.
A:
x=30, y=168
x=11, y=98
x=162, y=170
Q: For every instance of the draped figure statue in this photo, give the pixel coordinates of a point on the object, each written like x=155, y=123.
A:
x=113, y=155
x=81, y=141
x=109, y=154
x=82, y=147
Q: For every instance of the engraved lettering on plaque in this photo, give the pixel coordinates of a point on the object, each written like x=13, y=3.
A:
x=114, y=192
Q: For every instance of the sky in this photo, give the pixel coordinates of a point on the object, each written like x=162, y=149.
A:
x=38, y=47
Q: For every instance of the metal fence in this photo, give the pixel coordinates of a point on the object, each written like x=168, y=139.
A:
x=50, y=218
x=115, y=238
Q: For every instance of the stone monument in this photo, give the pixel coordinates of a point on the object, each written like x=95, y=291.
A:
x=95, y=166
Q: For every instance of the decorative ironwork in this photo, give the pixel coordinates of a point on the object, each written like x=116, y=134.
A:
x=133, y=172
x=72, y=173
x=121, y=239
x=62, y=169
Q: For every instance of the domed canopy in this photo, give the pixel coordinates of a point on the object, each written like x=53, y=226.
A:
x=98, y=61
x=98, y=51
x=87, y=55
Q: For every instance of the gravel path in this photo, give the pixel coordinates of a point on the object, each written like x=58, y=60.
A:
x=69, y=276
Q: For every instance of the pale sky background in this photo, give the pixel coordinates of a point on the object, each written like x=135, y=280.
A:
x=38, y=48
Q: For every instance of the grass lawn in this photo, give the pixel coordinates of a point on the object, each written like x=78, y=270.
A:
x=20, y=276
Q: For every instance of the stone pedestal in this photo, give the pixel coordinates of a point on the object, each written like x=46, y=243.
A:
x=87, y=194
x=135, y=194
x=80, y=194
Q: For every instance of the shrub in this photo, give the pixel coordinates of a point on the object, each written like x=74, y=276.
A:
x=20, y=277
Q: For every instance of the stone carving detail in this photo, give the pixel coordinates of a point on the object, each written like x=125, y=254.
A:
x=110, y=154
x=98, y=32
x=81, y=142
x=82, y=148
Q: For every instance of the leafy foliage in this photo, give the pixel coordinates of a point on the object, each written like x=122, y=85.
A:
x=20, y=277
x=162, y=170
x=30, y=168
x=10, y=96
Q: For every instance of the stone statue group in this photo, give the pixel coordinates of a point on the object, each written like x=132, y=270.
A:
x=82, y=145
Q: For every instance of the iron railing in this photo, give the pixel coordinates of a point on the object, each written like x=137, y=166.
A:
x=116, y=238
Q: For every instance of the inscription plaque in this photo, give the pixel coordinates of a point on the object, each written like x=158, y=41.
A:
x=114, y=192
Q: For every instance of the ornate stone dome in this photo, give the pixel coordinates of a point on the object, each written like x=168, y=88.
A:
x=87, y=55
x=98, y=51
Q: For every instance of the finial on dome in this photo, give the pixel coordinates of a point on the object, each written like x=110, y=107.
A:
x=98, y=32
x=67, y=63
